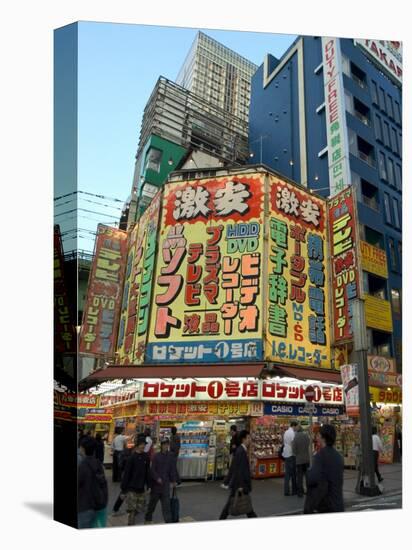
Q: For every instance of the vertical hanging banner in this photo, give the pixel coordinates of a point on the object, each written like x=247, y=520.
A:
x=350, y=384
x=64, y=331
x=137, y=291
x=297, y=330
x=344, y=260
x=207, y=302
x=337, y=140
x=102, y=310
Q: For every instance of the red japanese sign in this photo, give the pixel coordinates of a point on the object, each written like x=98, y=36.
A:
x=78, y=400
x=231, y=198
x=64, y=331
x=102, y=310
x=226, y=390
x=220, y=408
x=287, y=200
x=204, y=390
x=344, y=259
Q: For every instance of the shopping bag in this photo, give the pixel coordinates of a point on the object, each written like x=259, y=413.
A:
x=174, y=506
x=241, y=504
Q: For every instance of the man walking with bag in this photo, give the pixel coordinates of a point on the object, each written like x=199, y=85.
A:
x=240, y=483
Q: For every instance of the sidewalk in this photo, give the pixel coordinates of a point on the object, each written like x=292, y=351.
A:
x=203, y=501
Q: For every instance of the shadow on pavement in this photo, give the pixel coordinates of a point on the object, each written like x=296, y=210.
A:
x=43, y=508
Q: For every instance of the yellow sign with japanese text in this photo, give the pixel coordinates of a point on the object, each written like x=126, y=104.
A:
x=297, y=330
x=378, y=313
x=207, y=301
x=380, y=395
x=374, y=259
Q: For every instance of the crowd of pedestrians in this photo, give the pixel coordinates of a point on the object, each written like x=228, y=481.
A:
x=147, y=478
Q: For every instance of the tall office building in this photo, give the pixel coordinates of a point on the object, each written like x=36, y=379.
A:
x=329, y=114
x=219, y=75
x=182, y=130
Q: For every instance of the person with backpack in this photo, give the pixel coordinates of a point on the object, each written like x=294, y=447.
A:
x=92, y=487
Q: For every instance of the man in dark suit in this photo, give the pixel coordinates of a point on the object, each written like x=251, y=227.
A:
x=240, y=479
x=325, y=477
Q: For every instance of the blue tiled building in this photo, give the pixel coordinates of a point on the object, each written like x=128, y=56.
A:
x=293, y=104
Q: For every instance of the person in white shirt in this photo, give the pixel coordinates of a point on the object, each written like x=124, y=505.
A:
x=377, y=448
x=290, y=459
x=118, y=448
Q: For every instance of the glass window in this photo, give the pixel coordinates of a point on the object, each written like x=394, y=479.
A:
x=396, y=300
x=378, y=127
x=392, y=254
x=348, y=101
x=382, y=166
x=390, y=105
x=353, y=144
x=391, y=176
x=394, y=140
x=365, y=277
x=396, y=219
x=400, y=252
x=388, y=216
x=386, y=136
x=153, y=159
x=382, y=102
x=398, y=176
x=397, y=113
x=374, y=92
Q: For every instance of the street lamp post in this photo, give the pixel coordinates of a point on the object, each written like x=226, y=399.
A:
x=369, y=487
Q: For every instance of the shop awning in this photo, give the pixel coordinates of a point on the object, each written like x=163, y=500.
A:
x=130, y=372
x=322, y=375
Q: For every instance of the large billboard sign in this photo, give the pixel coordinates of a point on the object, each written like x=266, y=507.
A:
x=297, y=330
x=207, y=304
x=344, y=260
x=337, y=141
x=386, y=54
x=374, y=259
x=64, y=332
x=102, y=309
x=137, y=292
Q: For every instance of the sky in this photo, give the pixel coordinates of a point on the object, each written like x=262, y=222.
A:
x=118, y=66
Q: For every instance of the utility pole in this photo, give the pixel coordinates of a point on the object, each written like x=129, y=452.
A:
x=360, y=351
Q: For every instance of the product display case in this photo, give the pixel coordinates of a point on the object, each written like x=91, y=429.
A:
x=194, y=450
x=266, y=441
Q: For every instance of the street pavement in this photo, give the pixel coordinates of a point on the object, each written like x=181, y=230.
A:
x=203, y=501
